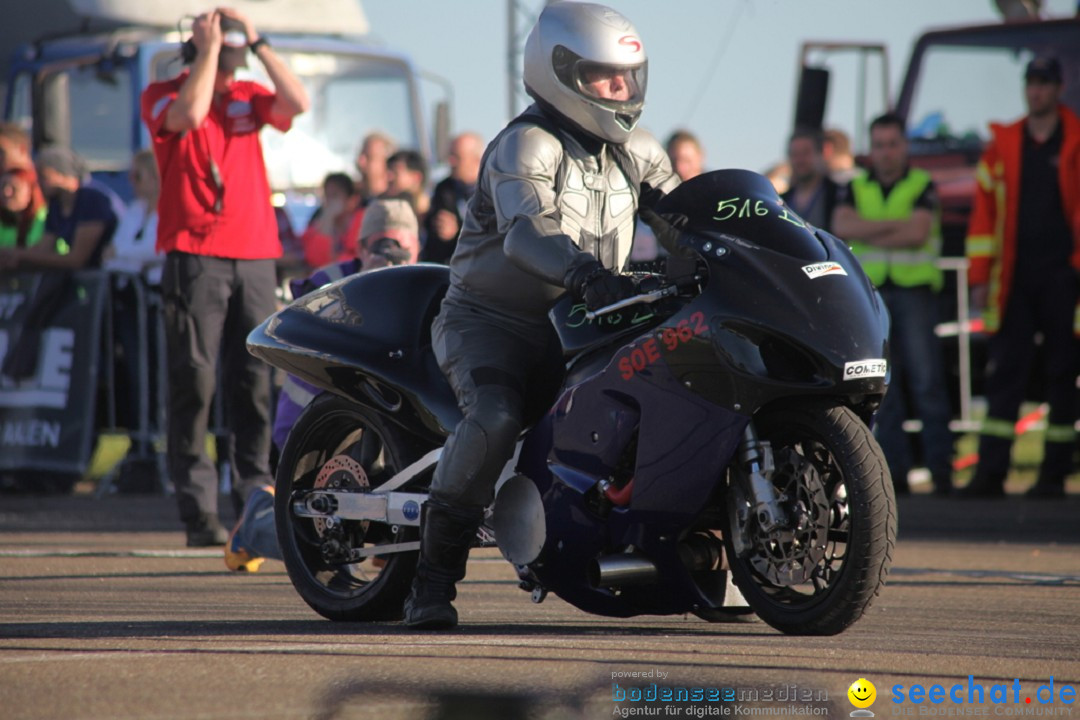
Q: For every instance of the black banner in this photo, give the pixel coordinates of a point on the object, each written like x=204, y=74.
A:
x=50, y=330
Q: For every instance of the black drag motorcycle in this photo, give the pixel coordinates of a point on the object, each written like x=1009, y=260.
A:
x=714, y=427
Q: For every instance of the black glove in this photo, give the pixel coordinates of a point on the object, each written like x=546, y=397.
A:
x=648, y=196
x=598, y=287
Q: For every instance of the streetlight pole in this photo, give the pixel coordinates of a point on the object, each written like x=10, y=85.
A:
x=519, y=20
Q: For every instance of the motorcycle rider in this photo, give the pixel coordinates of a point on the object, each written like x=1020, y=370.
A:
x=553, y=212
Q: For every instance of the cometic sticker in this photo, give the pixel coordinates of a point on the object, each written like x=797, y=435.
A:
x=865, y=369
x=826, y=268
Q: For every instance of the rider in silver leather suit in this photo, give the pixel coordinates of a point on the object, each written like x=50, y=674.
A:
x=554, y=211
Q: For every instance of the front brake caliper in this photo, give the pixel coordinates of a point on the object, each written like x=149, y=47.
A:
x=756, y=458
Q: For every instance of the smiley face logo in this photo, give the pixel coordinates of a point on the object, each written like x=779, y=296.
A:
x=862, y=693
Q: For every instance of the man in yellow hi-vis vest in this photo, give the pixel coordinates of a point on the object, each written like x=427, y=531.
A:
x=891, y=218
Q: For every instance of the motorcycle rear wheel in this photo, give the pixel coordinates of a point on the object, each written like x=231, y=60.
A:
x=333, y=433
x=819, y=573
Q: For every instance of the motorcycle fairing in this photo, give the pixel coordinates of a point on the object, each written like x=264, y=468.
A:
x=789, y=305
x=775, y=332
x=679, y=463
x=367, y=337
x=781, y=316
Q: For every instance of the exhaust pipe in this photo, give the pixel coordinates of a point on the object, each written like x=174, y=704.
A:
x=621, y=570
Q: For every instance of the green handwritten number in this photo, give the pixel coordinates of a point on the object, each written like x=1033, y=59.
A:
x=791, y=218
x=577, y=317
x=578, y=312
x=726, y=206
x=727, y=209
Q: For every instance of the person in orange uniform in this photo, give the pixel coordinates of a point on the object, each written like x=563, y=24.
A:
x=1024, y=246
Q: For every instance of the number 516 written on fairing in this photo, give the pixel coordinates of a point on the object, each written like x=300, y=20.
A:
x=746, y=207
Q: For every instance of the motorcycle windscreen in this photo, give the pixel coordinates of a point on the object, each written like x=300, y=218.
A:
x=743, y=204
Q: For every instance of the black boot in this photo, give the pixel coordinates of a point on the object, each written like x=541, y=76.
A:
x=1056, y=465
x=989, y=478
x=446, y=532
x=1047, y=486
x=206, y=531
x=942, y=482
x=984, y=485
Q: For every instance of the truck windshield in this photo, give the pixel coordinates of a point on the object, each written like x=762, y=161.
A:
x=98, y=97
x=993, y=89
x=960, y=80
x=351, y=95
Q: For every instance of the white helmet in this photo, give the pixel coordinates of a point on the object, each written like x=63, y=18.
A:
x=587, y=62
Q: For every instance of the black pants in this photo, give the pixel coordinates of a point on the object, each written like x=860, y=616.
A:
x=210, y=306
x=1046, y=306
x=493, y=365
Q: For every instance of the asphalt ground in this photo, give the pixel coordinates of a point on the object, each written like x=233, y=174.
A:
x=105, y=615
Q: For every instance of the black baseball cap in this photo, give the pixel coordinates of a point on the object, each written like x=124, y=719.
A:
x=1047, y=69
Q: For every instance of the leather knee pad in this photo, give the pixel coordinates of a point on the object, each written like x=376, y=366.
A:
x=461, y=459
x=476, y=453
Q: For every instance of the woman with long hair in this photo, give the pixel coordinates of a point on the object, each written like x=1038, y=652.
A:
x=22, y=209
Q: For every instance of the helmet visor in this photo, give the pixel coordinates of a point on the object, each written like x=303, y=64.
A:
x=618, y=87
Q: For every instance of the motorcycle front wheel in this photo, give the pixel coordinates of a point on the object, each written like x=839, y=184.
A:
x=341, y=445
x=819, y=571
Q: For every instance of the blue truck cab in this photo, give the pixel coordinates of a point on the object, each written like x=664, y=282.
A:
x=82, y=90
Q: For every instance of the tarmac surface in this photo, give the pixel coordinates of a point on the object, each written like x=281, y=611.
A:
x=105, y=615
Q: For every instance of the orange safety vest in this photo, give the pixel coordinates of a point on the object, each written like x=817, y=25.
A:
x=991, y=238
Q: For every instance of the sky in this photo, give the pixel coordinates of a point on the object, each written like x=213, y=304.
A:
x=724, y=69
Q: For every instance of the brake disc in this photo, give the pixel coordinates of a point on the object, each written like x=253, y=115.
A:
x=341, y=472
x=790, y=555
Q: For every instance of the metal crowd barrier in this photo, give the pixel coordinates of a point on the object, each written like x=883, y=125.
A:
x=962, y=328
x=146, y=435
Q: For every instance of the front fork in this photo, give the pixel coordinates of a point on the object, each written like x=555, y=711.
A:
x=756, y=462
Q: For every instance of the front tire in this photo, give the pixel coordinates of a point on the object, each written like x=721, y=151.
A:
x=344, y=445
x=820, y=571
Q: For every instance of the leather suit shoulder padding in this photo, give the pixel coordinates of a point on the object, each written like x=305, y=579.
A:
x=523, y=172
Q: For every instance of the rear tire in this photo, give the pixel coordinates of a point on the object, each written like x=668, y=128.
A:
x=819, y=576
x=374, y=589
